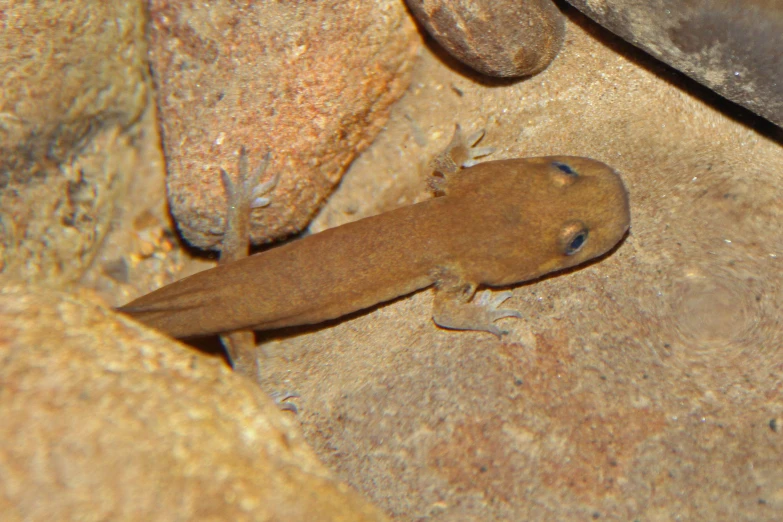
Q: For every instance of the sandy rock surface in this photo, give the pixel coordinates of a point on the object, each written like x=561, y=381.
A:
x=68, y=133
x=103, y=419
x=646, y=386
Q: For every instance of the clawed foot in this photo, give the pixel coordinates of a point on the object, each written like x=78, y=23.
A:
x=245, y=194
x=261, y=189
x=460, y=153
x=282, y=398
x=490, y=301
x=453, y=307
x=474, y=152
x=242, y=197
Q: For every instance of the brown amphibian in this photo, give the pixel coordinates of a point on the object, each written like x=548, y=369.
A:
x=494, y=223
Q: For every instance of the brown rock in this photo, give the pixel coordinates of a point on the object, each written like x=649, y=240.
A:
x=102, y=419
x=731, y=46
x=309, y=82
x=74, y=82
x=505, y=38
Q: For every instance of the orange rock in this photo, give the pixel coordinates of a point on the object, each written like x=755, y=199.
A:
x=309, y=82
x=102, y=419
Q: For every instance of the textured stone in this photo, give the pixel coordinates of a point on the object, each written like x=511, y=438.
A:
x=646, y=386
x=503, y=38
x=731, y=46
x=102, y=419
x=73, y=78
x=310, y=82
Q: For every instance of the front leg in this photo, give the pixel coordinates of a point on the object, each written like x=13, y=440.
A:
x=455, y=307
x=460, y=153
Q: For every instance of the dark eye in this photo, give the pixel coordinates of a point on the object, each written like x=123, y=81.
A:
x=573, y=237
x=564, y=168
x=576, y=243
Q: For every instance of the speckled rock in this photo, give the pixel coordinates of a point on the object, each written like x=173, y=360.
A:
x=646, y=386
x=310, y=82
x=731, y=46
x=73, y=77
x=505, y=38
x=102, y=420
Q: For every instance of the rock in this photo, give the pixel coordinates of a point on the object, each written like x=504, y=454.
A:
x=311, y=83
x=103, y=419
x=74, y=82
x=731, y=46
x=505, y=38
